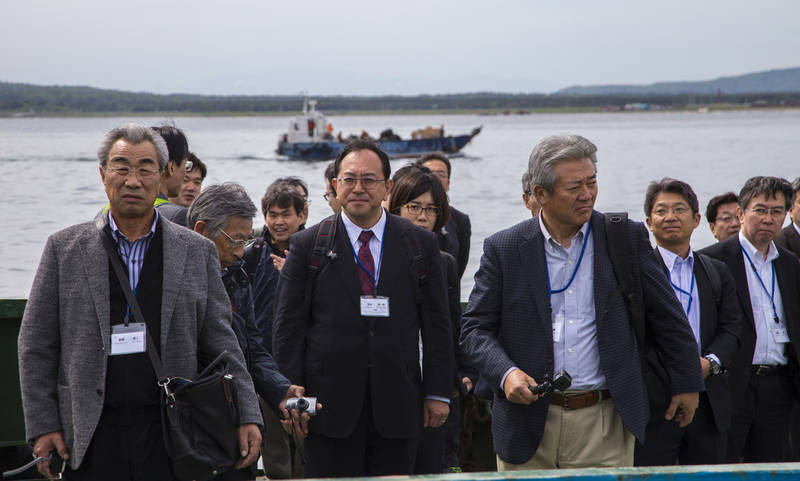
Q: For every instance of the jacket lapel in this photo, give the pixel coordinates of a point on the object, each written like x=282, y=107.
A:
x=345, y=266
x=604, y=281
x=793, y=239
x=531, y=253
x=174, y=262
x=735, y=261
x=95, y=268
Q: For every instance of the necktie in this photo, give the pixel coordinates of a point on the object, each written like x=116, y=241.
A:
x=365, y=257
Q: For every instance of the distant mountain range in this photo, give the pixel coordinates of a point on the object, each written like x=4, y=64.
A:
x=770, y=81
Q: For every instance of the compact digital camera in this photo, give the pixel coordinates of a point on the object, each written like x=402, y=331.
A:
x=302, y=404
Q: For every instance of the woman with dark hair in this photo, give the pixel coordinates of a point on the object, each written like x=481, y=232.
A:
x=418, y=196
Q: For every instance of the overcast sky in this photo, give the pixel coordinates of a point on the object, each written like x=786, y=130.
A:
x=383, y=47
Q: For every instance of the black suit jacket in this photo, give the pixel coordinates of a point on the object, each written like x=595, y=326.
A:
x=455, y=238
x=789, y=239
x=508, y=322
x=787, y=273
x=337, y=354
x=720, y=327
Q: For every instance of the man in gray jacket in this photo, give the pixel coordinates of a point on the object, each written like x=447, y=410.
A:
x=87, y=394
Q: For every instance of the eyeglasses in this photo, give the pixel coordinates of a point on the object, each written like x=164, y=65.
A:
x=775, y=212
x=677, y=210
x=235, y=244
x=328, y=194
x=141, y=172
x=726, y=219
x=189, y=164
x=366, y=182
x=415, y=209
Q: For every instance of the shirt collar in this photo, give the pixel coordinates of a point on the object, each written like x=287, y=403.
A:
x=671, y=258
x=549, y=238
x=755, y=255
x=353, y=231
x=116, y=233
x=796, y=227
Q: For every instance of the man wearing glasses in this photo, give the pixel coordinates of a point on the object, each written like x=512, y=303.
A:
x=767, y=279
x=89, y=390
x=721, y=216
x=172, y=176
x=350, y=333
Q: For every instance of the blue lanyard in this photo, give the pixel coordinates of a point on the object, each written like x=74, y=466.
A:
x=550, y=290
x=127, y=319
x=377, y=266
x=691, y=288
x=763, y=286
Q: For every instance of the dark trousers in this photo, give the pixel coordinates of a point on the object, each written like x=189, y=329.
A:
x=667, y=444
x=760, y=424
x=452, y=446
x=363, y=453
x=430, y=452
x=126, y=445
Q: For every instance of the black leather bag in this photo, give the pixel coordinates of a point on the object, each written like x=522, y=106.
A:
x=199, y=417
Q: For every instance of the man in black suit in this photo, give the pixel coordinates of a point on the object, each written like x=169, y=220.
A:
x=789, y=236
x=707, y=292
x=354, y=341
x=767, y=282
x=455, y=236
x=545, y=299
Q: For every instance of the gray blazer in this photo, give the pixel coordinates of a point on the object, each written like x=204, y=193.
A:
x=65, y=334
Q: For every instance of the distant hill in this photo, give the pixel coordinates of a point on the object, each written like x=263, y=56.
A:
x=770, y=81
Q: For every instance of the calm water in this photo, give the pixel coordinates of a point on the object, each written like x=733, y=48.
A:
x=49, y=177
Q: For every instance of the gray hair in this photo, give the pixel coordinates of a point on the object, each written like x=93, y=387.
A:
x=527, y=188
x=554, y=149
x=135, y=134
x=796, y=184
x=216, y=203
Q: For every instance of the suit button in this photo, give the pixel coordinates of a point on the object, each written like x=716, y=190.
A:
x=99, y=392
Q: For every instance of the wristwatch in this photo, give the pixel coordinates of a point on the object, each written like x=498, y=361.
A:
x=715, y=367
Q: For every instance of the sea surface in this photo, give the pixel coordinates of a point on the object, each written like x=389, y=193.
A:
x=49, y=175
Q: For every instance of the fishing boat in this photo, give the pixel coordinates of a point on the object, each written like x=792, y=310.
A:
x=310, y=137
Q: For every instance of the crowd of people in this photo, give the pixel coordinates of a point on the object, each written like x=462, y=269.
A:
x=675, y=355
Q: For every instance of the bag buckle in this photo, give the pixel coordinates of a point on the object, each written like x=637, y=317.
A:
x=169, y=395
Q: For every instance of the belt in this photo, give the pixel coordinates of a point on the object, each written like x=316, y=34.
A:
x=579, y=400
x=766, y=369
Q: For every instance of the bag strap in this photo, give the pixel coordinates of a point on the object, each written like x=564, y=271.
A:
x=116, y=263
x=322, y=243
x=713, y=276
x=251, y=257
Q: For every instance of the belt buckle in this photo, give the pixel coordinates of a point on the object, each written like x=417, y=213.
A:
x=565, y=400
x=762, y=370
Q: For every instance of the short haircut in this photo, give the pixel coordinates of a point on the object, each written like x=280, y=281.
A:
x=330, y=173
x=198, y=164
x=284, y=196
x=672, y=186
x=554, y=149
x=436, y=156
x=527, y=188
x=135, y=134
x=768, y=187
x=216, y=203
x=177, y=145
x=294, y=182
x=716, y=201
x=413, y=181
x=363, y=144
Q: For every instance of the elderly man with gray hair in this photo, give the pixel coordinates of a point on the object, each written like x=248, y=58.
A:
x=546, y=299
x=87, y=393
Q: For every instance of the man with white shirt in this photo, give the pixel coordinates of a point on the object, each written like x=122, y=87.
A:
x=707, y=292
x=347, y=324
x=546, y=298
x=767, y=279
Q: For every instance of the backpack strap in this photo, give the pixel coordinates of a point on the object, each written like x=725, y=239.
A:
x=713, y=276
x=252, y=256
x=322, y=249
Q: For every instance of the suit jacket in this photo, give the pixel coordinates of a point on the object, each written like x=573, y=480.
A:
x=787, y=273
x=65, y=336
x=337, y=354
x=789, y=239
x=720, y=327
x=455, y=238
x=508, y=322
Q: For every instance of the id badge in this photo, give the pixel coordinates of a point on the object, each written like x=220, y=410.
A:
x=374, y=306
x=780, y=335
x=128, y=339
x=558, y=328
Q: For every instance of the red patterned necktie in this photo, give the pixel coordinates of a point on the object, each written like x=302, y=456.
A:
x=365, y=257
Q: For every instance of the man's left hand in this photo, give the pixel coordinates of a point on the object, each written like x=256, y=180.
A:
x=435, y=413
x=249, y=444
x=705, y=365
x=687, y=402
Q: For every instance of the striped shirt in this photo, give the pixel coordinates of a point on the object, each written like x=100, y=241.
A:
x=132, y=252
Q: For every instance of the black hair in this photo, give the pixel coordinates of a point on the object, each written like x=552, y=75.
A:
x=413, y=181
x=364, y=144
x=177, y=145
x=716, y=201
x=294, y=182
x=672, y=186
x=768, y=187
x=198, y=164
x=436, y=156
x=284, y=196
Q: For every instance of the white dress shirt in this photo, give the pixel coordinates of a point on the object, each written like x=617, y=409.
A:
x=681, y=275
x=353, y=231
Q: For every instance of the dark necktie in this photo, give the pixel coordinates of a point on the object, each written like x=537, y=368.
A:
x=365, y=257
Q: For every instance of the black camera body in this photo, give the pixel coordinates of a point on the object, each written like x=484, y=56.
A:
x=302, y=405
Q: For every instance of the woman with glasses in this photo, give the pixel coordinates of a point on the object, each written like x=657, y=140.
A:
x=418, y=196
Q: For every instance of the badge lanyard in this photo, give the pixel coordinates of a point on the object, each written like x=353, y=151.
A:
x=377, y=266
x=763, y=286
x=691, y=288
x=550, y=290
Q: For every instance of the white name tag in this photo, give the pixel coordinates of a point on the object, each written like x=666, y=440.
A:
x=558, y=328
x=374, y=306
x=128, y=339
x=780, y=335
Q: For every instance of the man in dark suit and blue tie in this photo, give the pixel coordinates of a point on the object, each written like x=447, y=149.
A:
x=546, y=299
x=707, y=292
x=354, y=341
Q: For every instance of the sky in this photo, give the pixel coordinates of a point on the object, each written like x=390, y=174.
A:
x=355, y=47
